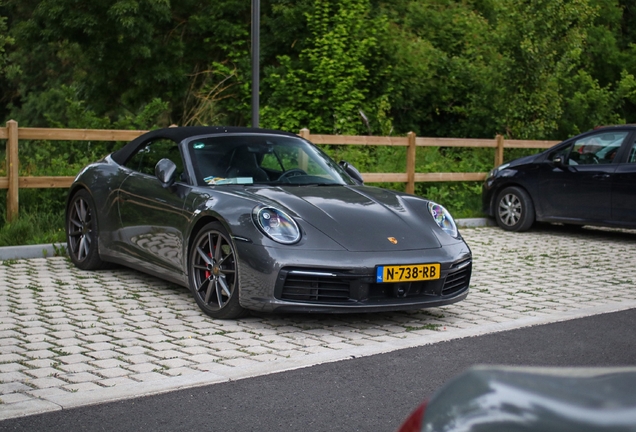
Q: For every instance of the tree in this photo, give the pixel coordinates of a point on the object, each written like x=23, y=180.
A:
x=5, y=42
x=541, y=42
x=444, y=76
x=119, y=55
x=327, y=88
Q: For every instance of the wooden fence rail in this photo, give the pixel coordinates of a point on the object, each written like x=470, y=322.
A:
x=13, y=134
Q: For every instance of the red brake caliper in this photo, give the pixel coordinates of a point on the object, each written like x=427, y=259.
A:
x=207, y=272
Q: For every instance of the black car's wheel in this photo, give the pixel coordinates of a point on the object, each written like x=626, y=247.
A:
x=514, y=209
x=214, y=278
x=81, y=232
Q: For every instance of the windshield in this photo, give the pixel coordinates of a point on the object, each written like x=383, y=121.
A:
x=262, y=159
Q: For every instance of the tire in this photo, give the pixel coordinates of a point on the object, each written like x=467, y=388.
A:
x=514, y=210
x=213, y=275
x=82, y=235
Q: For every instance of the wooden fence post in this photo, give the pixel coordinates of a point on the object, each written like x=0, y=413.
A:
x=12, y=170
x=410, y=164
x=303, y=159
x=499, y=151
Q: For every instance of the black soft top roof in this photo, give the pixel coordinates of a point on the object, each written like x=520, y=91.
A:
x=178, y=134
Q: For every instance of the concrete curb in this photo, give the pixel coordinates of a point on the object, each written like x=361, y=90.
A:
x=475, y=222
x=48, y=250
x=32, y=251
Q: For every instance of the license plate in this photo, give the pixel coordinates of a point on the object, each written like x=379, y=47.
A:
x=407, y=273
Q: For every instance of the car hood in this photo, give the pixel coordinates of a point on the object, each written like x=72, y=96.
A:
x=523, y=160
x=360, y=219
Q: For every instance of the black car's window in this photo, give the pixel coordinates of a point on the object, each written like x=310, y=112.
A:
x=263, y=159
x=147, y=157
x=599, y=148
x=632, y=154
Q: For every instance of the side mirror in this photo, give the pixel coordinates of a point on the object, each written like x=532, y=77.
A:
x=166, y=171
x=352, y=171
x=560, y=160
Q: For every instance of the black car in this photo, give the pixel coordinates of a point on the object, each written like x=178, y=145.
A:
x=263, y=220
x=586, y=180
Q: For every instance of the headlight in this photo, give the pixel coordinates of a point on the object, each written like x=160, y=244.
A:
x=495, y=171
x=276, y=224
x=443, y=218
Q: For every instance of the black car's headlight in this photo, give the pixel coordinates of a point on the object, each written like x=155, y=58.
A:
x=276, y=224
x=443, y=219
x=497, y=170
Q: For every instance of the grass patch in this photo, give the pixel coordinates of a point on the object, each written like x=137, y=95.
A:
x=434, y=327
x=31, y=229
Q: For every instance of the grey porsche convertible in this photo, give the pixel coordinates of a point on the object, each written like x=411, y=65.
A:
x=254, y=219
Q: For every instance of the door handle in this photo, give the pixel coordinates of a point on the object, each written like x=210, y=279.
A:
x=601, y=176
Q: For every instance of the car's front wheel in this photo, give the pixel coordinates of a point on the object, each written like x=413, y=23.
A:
x=214, y=279
x=81, y=232
x=514, y=209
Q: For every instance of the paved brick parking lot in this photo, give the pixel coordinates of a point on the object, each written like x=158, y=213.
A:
x=70, y=338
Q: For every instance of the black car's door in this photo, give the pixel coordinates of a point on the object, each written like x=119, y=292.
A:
x=624, y=188
x=152, y=217
x=581, y=188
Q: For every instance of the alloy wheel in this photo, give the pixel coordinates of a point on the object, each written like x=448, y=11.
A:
x=214, y=269
x=510, y=209
x=80, y=229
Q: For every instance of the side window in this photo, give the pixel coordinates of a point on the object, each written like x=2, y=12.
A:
x=600, y=148
x=632, y=154
x=147, y=157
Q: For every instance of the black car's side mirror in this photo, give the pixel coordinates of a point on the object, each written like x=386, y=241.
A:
x=352, y=171
x=166, y=172
x=560, y=160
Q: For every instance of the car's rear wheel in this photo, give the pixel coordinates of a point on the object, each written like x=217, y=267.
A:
x=81, y=232
x=514, y=209
x=214, y=278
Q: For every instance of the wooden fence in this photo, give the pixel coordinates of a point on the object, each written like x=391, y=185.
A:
x=13, y=134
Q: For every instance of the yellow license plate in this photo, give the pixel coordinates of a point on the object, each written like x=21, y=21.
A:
x=407, y=273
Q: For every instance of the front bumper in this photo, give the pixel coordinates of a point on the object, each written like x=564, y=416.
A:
x=289, y=280
x=487, y=191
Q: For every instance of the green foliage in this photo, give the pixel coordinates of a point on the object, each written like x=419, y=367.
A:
x=463, y=200
x=67, y=158
x=119, y=55
x=444, y=70
x=5, y=40
x=542, y=42
x=73, y=113
x=591, y=104
x=33, y=228
x=326, y=88
x=41, y=218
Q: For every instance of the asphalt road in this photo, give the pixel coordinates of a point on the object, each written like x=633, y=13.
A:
x=366, y=394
